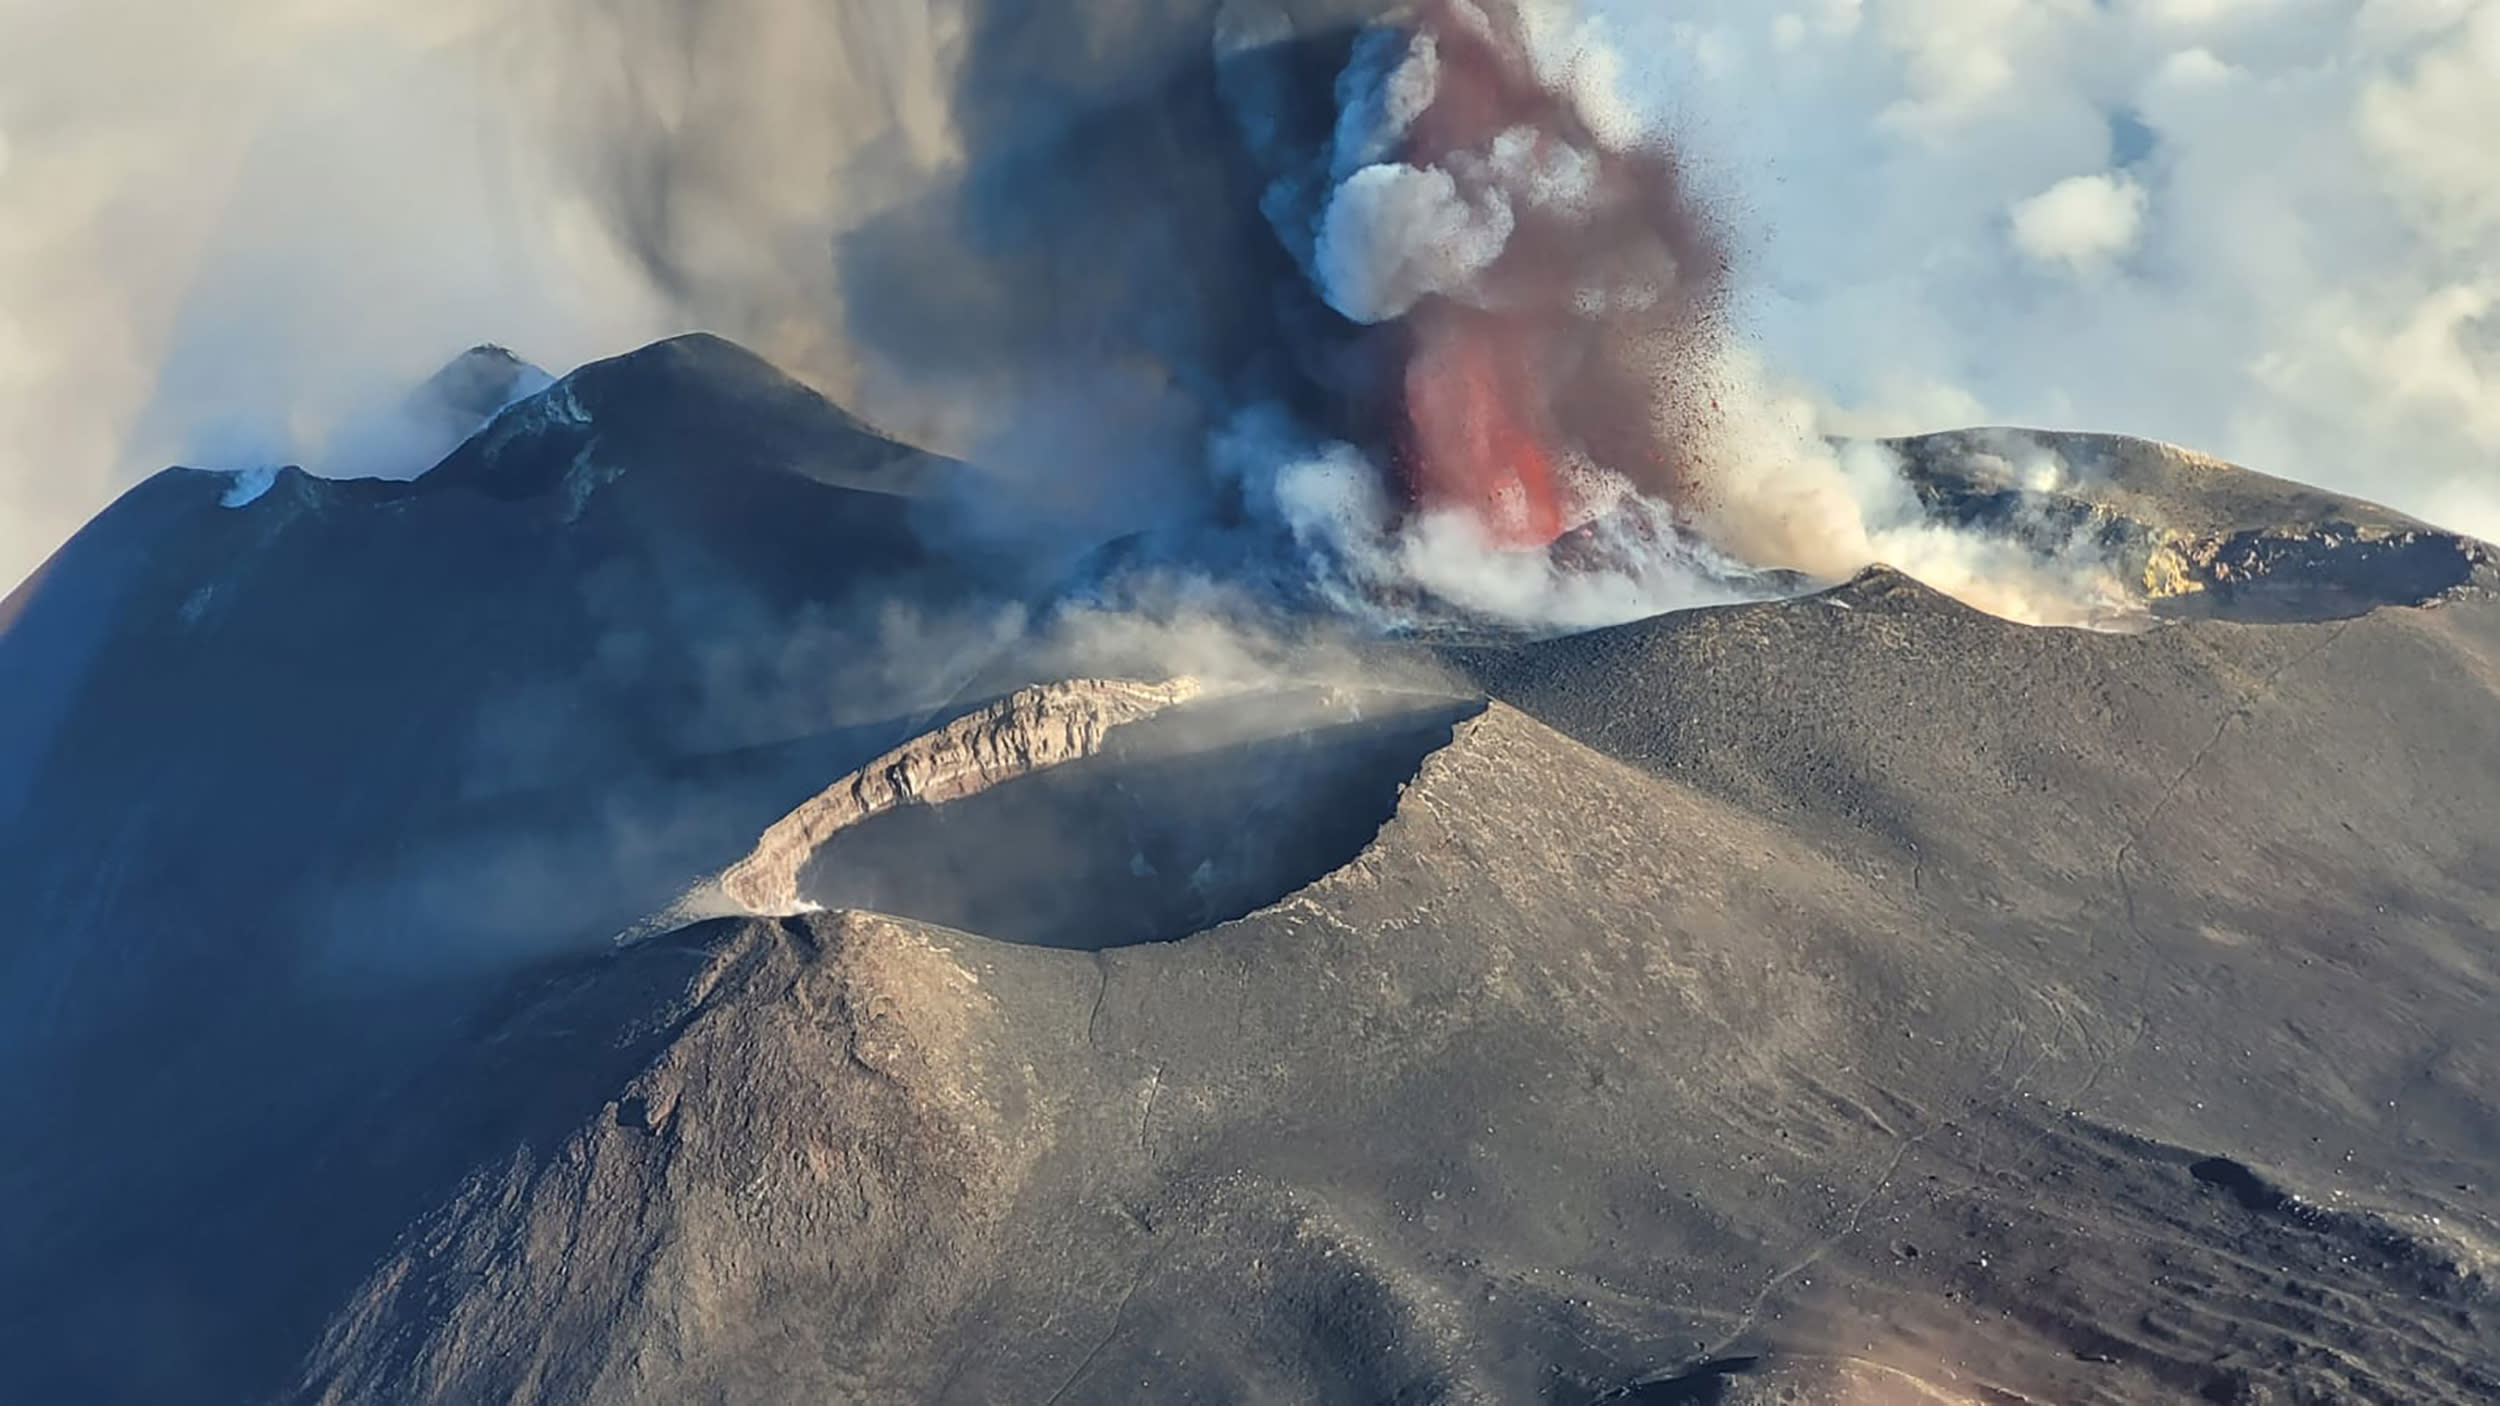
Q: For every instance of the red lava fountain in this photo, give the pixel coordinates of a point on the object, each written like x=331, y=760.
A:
x=1469, y=444
x=1605, y=298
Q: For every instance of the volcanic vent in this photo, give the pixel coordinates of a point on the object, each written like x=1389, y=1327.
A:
x=1095, y=814
x=1448, y=288
x=1596, y=287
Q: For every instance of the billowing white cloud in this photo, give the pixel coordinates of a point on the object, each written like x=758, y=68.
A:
x=1395, y=234
x=2268, y=229
x=2432, y=123
x=2082, y=222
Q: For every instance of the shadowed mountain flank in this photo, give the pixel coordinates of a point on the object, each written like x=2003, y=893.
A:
x=237, y=700
x=294, y=773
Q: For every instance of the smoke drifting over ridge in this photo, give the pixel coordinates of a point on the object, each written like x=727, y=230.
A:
x=2253, y=229
x=371, y=189
x=1495, y=374
x=1410, y=290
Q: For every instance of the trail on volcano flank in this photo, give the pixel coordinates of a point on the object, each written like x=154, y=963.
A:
x=1555, y=289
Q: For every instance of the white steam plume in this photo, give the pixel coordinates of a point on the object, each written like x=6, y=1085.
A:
x=1759, y=480
x=2266, y=231
x=2271, y=231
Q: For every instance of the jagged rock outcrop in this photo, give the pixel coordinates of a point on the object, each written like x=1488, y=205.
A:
x=1029, y=731
x=2329, y=571
x=2201, y=538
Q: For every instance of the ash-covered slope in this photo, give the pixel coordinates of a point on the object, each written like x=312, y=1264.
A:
x=1847, y=994
x=1853, y=994
x=288, y=767
x=600, y=582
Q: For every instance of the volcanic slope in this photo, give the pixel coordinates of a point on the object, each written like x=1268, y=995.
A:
x=1810, y=998
x=292, y=771
x=1849, y=995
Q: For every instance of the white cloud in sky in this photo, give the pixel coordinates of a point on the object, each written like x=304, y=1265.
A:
x=2082, y=222
x=2269, y=229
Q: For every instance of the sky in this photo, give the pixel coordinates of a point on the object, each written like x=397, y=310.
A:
x=2266, y=229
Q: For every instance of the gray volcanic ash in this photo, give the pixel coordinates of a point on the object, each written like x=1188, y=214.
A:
x=1417, y=316
x=1559, y=290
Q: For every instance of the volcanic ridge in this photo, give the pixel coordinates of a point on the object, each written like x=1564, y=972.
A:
x=1493, y=873
x=1844, y=996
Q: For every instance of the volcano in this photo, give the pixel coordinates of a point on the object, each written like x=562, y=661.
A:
x=616, y=918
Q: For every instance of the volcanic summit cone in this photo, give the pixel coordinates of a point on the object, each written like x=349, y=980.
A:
x=1852, y=997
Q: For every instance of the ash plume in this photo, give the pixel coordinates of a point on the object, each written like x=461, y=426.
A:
x=1403, y=307
x=1377, y=302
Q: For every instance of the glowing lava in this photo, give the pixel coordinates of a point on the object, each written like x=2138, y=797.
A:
x=1469, y=443
x=1476, y=435
x=1576, y=349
